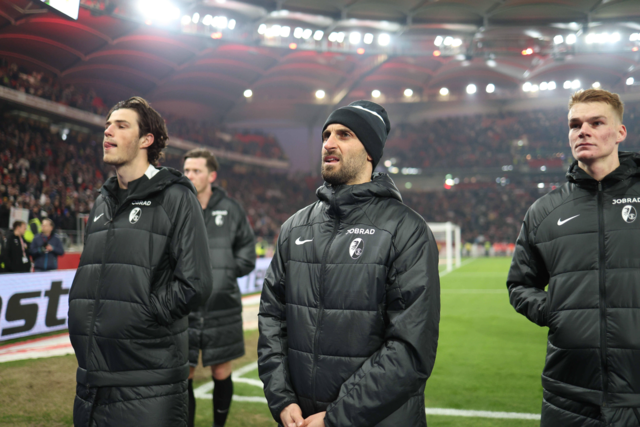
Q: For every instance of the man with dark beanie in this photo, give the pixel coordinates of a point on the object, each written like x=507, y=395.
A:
x=350, y=306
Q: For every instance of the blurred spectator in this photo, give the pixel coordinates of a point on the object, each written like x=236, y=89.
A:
x=16, y=259
x=46, y=248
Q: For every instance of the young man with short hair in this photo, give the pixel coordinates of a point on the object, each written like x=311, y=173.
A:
x=216, y=326
x=581, y=241
x=144, y=267
x=350, y=306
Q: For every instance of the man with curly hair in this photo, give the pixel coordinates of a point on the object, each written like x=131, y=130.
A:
x=144, y=267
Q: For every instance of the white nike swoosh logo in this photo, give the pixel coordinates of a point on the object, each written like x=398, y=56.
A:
x=97, y=218
x=301, y=242
x=560, y=222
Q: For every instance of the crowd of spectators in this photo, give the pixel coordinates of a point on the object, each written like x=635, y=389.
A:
x=46, y=86
x=493, y=140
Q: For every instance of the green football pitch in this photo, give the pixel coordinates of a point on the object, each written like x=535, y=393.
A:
x=489, y=359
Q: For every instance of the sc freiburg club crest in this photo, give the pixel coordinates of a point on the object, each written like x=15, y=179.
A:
x=356, y=247
x=135, y=214
x=629, y=213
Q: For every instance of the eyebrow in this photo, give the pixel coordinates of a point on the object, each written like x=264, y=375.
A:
x=116, y=121
x=589, y=119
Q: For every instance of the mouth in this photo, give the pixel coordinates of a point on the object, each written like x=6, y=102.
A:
x=584, y=145
x=107, y=145
x=331, y=159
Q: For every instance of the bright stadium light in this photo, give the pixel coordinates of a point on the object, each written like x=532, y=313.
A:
x=376, y=93
x=575, y=84
x=384, y=39
x=186, y=20
x=551, y=85
x=248, y=93
x=630, y=81
x=220, y=22
x=355, y=37
x=317, y=36
x=634, y=37
x=207, y=20
x=471, y=89
x=368, y=38
x=306, y=34
x=614, y=38
x=544, y=86
x=340, y=37
x=596, y=85
x=159, y=10
x=285, y=31
x=571, y=39
x=491, y=63
x=438, y=41
x=448, y=41
x=320, y=94
x=444, y=91
x=297, y=33
x=408, y=93
x=273, y=31
x=526, y=87
x=195, y=18
x=490, y=88
x=333, y=37
x=232, y=24
x=558, y=39
x=262, y=29
x=567, y=84
x=456, y=43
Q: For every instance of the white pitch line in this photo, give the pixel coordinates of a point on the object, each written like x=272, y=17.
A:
x=203, y=392
x=469, y=261
x=475, y=291
x=481, y=414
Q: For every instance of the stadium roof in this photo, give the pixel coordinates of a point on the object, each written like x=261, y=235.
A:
x=199, y=71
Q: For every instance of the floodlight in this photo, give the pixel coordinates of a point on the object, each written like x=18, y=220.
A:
x=248, y=93
x=551, y=85
x=448, y=41
x=444, y=91
x=575, y=84
x=262, y=29
x=207, y=20
x=438, y=41
x=384, y=39
x=596, y=85
x=306, y=34
x=285, y=31
x=232, y=24
x=456, y=43
x=526, y=87
x=490, y=88
x=333, y=37
x=471, y=89
x=320, y=94
x=630, y=81
x=318, y=35
x=558, y=39
x=368, y=38
x=297, y=33
x=567, y=84
x=544, y=86
x=408, y=93
x=195, y=18
x=186, y=20
x=355, y=37
x=571, y=39
x=376, y=93
x=534, y=88
x=491, y=63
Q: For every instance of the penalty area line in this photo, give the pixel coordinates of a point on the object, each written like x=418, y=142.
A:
x=481, y=414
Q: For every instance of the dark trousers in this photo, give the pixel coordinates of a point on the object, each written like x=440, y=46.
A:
x=562, y=412
x=143, y=406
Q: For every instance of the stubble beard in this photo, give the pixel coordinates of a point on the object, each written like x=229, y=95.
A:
x=126, y=154
x=347, y=171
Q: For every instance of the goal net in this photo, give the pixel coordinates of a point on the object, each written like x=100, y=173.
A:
x=448, y=238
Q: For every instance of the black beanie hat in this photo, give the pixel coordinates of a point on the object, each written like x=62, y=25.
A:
x=369, y=121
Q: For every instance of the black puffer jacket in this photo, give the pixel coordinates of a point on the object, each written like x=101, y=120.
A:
x=143, y=268
x=581, y=239
x=232, y=253
x=350, y=309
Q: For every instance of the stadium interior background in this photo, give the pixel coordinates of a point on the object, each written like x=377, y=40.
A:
x=477, y=94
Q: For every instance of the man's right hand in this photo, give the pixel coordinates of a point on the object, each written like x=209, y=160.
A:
x=291, y=416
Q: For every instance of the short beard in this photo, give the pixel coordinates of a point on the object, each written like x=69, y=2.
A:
x=348, y=171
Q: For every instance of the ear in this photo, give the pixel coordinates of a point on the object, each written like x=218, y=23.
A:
x=369, y=158
x=621, y=134
x=212, y=177
x=147, y=140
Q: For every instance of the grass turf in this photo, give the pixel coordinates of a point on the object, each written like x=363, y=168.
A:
x=489, y=358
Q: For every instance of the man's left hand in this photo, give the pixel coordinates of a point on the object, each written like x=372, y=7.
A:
x=315, y=420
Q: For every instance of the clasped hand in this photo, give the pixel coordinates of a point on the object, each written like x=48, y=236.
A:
x=291, y=416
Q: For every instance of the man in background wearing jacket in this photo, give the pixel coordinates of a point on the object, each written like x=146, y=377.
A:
x=350, y=307
x=216, y=327
x=582, y=240
x=16, y=250
x=46, y=248
x=144, y=267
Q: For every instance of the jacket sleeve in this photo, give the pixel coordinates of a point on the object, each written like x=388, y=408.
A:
x=400, y=368
x=56, y=244
x=273, y=345
x=189, y=257
x=34, y=246
x=244, y=250
x=527, y=279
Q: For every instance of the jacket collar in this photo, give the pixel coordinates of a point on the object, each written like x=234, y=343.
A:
x=153, y=181
x=217, y=194
x=629, y=166
x=341, y=200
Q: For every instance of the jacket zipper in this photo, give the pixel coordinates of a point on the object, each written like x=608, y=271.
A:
x=316, y=339
x=110, y=232
x=603, y=296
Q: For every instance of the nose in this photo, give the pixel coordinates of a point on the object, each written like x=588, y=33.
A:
x=330, y=143
x=108, y=131
x=584, y=129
